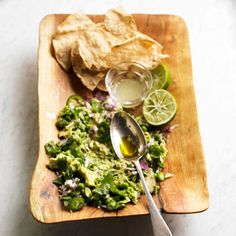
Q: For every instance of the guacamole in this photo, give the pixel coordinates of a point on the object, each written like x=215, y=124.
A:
x=87, y=168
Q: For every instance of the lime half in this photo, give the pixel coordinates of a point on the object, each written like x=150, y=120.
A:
x=161, y=77
x=159, y=107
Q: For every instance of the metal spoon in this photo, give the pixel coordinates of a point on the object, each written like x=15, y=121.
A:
x=123, y=125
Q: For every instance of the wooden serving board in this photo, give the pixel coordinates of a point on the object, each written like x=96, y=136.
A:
x=187, y=191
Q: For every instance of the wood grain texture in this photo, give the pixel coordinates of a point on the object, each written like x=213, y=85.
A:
x=187, y=191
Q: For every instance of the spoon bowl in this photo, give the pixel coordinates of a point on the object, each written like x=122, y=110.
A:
x=123, y=125
x=125, y=128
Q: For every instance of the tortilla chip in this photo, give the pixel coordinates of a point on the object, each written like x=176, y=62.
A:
x=104, y=45
x=65, y=36
x=74, y=22
x=90, y=79
x=93, y=46
x=102, y=86
x=97, y=41
x=120, y=25
x=62, y=48
x=91, y=49
x=97, y=54
x=141, y=49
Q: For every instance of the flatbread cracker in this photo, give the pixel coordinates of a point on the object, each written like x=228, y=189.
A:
x=141, y=49
x=91, y=49
x=90, y=79
x=93, y=46
x=67, y=33
x=102, y=86
x=120, y=24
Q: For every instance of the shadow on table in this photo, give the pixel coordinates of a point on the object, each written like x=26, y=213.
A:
x=22, y=220
x=126, y=226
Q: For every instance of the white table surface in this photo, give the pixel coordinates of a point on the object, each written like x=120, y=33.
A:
x=212, y=29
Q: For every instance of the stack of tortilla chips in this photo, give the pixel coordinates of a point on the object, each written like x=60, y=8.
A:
x=90, y=49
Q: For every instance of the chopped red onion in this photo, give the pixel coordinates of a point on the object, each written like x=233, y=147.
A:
x=88, y=97
x=112, y=102
x=64, y=140
x=170, y=128
x=144, y=164
x=62, y=190
x=71, y=183
x=108, y=107
x=173, y=127
x=95, y=128
x=100, y=95
x=150, y=143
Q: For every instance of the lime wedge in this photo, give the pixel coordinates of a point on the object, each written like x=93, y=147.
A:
x=161, y=76
x=159, y=107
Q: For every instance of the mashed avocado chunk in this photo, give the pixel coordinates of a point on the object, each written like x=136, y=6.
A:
x=88, y=170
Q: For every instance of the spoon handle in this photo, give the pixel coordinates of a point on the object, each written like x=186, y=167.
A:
x=160, y=228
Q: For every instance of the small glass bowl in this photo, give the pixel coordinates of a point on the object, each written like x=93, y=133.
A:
x=129, y=83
